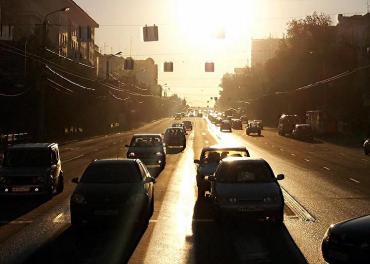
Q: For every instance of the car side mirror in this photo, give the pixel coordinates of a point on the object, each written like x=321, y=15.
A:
x=210, y=178
x=196, y=161
x=280, y=177
x=75, y=180
x=149, y=180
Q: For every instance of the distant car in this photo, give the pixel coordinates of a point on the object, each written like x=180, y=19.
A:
x=302, y=131
x=366, y=146
x=218, y=121
x=113, y=190
x=287, y=123
x=178, y=116
x=259, y=122
x=348, y=241
x=225, y=125
x=149, y=148
x=247, y=187
x=32, y=169
x=174, y=137
x=253, y=128
x=209, y=160
x=244, y=119
x=188, y=125
x=237, y=124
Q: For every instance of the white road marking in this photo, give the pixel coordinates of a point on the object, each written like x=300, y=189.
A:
x=74, y=158
x=326, y=168
x=292, y=154
x=354, y=180
x=307, y=160
x=364, y=159
x=296, y=207
x=281, y=149
x=59, y=218
x=204, y=134
x=206, y=142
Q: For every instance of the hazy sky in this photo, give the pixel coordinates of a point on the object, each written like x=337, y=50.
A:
x=185, y=32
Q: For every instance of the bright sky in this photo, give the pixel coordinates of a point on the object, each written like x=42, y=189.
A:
x=185, y=33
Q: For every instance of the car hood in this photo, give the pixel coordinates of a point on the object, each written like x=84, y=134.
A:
x=112, y=193
x=248, y=191
x=29, y=171
x=357, y=229
x=208, y=169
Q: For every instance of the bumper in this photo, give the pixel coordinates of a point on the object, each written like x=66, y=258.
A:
x=29, y=190
x=251, y=211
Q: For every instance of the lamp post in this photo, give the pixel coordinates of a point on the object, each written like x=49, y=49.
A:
x=40, y=78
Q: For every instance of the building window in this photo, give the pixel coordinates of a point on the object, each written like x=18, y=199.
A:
x=6, y=32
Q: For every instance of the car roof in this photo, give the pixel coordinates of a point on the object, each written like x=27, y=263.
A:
x=243, y=160
x=146, y=135
x=114, y=161
x=221, y=147
x=34, y=145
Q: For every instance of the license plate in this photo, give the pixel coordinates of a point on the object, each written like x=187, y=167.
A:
x=106, y=212
x=21, y=189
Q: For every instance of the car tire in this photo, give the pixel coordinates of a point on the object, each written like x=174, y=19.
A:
x=200, y=193
x=60, y=186
x=259, y=133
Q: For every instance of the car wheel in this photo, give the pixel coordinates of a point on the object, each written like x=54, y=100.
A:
x=60, y=186
x=200, y=193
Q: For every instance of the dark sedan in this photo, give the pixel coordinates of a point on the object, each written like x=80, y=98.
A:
x=113, y=191
x=149, y=148
x=348, y=241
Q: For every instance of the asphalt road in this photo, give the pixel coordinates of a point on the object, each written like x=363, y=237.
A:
x=324, y=184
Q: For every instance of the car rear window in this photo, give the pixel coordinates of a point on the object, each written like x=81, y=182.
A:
x=146, y=141
x=214, y=156
x=111, y=173
x=233, y=172
x=27, y=158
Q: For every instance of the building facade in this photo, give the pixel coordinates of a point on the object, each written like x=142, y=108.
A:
x=44, y=23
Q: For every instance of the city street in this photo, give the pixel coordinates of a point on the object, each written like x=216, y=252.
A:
x=324, y=183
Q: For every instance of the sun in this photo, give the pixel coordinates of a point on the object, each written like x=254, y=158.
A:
x=206, y=23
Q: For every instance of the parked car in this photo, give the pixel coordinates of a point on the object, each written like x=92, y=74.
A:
x=188, y=125
x=260, y=123
x=366, y=146
x=287, y=123
x=348, y=241
x=253, y=128
x=32, y=169
x=247, y=187
x=149, y=148
x=302, y=131
x=225, y=125
x=113, y=189
x=236, y=124
x=209, y=160
x=174, y=137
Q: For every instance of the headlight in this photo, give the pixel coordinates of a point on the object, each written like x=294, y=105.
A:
x=159, y=153
x=131, y=154
x=78, y=199
x=232, y=200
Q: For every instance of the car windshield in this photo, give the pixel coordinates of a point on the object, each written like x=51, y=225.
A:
x=173, y=132
x=111, y=173
x=27, y=158
x=215, y=156
x=247, y=172
x=146, y=141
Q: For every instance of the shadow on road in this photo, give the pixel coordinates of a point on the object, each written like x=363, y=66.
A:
x=90, y=245
x=12, y=208
x=174, y=150
x=237, y=241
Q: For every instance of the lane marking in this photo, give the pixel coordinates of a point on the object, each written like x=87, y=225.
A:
x=354, y=180
x=364, y=159
x=206, y=142
x=307, y=160
x=296, y=207
x=58, y=218
x=204, y=134
x=281, y=149
x=326, y=168
x=74, y=158
x=292, y=154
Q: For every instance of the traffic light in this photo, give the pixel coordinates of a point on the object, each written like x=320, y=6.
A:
x=129, y=63
x=150, y=33
x=209, y=67
x=168, y=67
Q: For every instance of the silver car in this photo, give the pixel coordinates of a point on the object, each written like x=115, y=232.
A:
x=247, y=187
